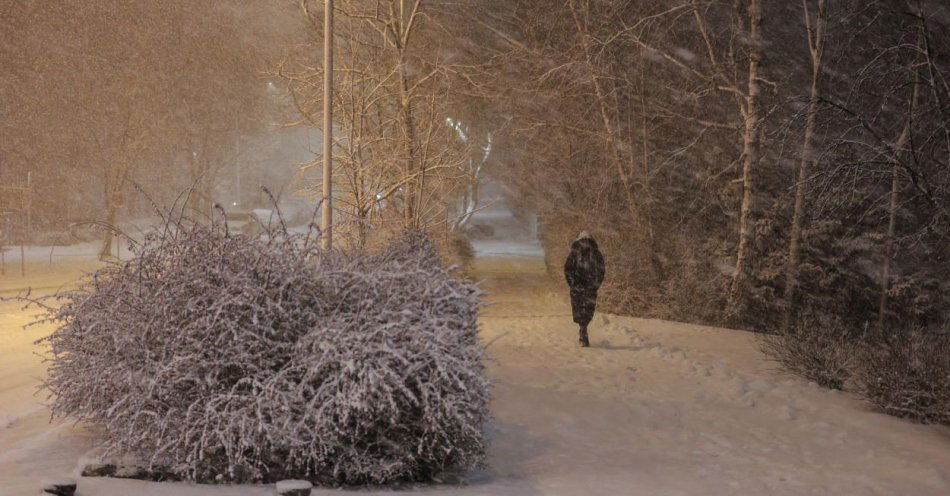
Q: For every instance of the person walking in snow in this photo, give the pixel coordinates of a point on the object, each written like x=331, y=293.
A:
x=584, y=270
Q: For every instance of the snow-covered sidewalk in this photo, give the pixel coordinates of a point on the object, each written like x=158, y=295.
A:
x=652, y=408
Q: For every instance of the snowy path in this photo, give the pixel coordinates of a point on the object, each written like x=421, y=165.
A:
x=660, y=408
x=653, y=408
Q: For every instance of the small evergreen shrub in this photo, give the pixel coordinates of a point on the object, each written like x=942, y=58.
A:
x=907, y=374
x=220, y=357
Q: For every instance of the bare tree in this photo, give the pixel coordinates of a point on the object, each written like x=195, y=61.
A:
x=120, y=92
x=399, y=82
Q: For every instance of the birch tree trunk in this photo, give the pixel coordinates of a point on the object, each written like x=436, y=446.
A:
x=750, y=150
x=816, y=47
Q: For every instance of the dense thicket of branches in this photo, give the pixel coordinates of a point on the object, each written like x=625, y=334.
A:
x=222, y=357
x=407, y=155
x=698, y=139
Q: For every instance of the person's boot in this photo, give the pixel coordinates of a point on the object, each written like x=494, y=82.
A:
x=583, y=340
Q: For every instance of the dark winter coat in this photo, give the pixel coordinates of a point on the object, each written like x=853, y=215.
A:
x=584, y=271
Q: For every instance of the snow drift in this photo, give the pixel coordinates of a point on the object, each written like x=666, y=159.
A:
x=216, y=356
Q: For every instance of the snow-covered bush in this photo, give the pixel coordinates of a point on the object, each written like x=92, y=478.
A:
x=904, y=373
x=217, y=356
x=907, y=374
x=817, y=349
x=452, y=248
x=457, y=251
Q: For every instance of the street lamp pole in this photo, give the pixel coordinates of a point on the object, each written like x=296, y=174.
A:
x=327, y=207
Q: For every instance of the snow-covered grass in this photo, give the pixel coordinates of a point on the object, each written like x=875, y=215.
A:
x=652, y=408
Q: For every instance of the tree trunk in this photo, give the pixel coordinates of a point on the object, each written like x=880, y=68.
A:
x=195, y=177
x=105, y=251
x=892, y=211
x=889, y=246
x=750, y=148
x=207, y=190
x=361, y=230
x=410, y=137
x=816, y=46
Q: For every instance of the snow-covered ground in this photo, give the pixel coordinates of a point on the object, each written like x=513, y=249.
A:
x=652, y=408
x=661, y=408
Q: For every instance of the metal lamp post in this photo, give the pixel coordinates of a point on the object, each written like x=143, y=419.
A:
x=327, y=227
